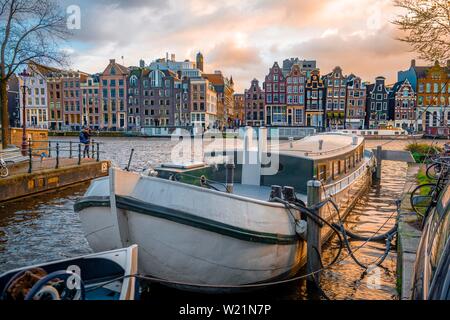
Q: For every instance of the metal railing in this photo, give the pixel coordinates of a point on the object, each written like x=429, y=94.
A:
x=62, y=149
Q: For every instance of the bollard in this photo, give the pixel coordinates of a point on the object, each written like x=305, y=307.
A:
x=57, y=155
x=314, y=241
x=30, y=162
x=229, y=177
x=79, y=153
x=98, y=151
x=49, y=149
x=70, y=151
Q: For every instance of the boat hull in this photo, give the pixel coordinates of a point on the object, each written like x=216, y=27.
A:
x=191, y=255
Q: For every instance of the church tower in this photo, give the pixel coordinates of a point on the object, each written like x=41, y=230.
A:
x=199, y=61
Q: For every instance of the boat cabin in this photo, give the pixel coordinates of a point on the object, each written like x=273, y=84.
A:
x=328, y=157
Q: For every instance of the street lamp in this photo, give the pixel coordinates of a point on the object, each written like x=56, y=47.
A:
x=24, y=75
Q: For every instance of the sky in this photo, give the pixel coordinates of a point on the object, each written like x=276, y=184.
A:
x=242, y=38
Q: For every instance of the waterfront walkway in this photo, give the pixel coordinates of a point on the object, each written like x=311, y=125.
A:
x=39, y=164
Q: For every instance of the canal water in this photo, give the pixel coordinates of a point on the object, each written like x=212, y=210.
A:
x=45, y=228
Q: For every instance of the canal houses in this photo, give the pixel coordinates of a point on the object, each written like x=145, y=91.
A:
x=336, y=89
x=402, y=101
x=377, y=104
x=204, y=104
x=113, y=96
x=90, y=101
x=433, y=99
x=356, y=103
x=275, y=95
x=432, y=89
x=135, y=99
x=295, y=85
x=254, y=104
x=224, y=88
x=315, y=94
x=36, y=110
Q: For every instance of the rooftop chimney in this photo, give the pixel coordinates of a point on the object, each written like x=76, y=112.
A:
x=413, y=63
x=112, y=60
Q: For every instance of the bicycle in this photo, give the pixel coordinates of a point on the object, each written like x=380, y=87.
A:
x=4, y=172
x=425, y=196
x=437, y=165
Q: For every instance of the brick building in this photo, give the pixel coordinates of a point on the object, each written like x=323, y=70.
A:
x=378, y=114
x=113, y=97
x=254, y=104
x=315, y=98
x=355, y=112
x=402, y=100
x=336, y=100
x=275, y=97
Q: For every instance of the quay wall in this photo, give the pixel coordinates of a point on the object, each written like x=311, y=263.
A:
x=27, y=184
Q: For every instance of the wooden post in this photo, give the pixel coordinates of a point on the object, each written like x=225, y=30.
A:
x=378, y=157
x=314, y=241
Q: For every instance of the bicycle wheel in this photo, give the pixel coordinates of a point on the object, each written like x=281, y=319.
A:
x=433, y=171
x=4, y=172
x=422, y=197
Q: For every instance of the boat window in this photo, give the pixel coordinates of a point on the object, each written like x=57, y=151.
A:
x=375, y=132
x=322, y=172
x=336, y=169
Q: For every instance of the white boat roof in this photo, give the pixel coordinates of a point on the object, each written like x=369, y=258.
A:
x=333, y=144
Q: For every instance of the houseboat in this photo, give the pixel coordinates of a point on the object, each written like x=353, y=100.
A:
x=197, y=226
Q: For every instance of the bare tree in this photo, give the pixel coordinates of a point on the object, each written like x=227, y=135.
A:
x=426, y=24
x=30, y=30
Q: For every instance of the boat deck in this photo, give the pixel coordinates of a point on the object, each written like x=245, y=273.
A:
x=254, y=192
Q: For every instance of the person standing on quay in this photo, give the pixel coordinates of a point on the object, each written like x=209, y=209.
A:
x=85, y=138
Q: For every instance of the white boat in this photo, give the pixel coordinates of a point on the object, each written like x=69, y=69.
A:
x=199, y=234
x=100, y=276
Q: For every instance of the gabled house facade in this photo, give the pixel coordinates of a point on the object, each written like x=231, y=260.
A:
x=275, y=96
x=113, y=96
x=355, y=112
x=295, y=96
x=377, y=104
x=315, y=98
x=336, y=88
x=254, y=105
x=402, y=101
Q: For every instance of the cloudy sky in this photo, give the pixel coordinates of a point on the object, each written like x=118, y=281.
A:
x=242, y=37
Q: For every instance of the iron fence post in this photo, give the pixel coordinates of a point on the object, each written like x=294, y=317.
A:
x=30, y=163
x=92, y=149
x=49, y=149
x=98, y=151
x=57, y=155
x=70, y=151
x=79, y=153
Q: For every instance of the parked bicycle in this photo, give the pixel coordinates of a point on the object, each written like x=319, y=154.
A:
x=4, y=172
x=424, y=197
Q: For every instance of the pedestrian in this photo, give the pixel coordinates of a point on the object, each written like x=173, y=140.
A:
x=85, y=138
